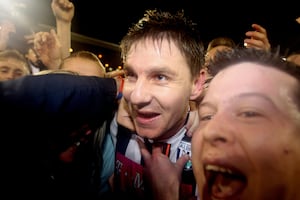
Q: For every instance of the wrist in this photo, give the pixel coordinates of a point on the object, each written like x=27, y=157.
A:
x=54, y=64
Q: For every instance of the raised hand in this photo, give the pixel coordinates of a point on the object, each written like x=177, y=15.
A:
x=257, y=38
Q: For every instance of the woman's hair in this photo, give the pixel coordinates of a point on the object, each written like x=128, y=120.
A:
x=221, y=41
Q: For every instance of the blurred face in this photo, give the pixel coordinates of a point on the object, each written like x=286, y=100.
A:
x=83, y=66
x=157, y=88
x=12, y=68
x=211, y=53
x=247, y=143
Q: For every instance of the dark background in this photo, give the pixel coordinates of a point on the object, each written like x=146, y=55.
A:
x=108, y=20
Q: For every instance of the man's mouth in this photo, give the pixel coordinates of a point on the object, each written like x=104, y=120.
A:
x=146, y=118
x=223, y=183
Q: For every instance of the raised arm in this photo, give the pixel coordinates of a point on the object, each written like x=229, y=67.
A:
x=63, y=11
x=59, y=95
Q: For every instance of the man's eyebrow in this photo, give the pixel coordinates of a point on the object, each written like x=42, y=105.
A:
x=241, y=96
x=205, y=104
x=159, y=69
x=255, y=94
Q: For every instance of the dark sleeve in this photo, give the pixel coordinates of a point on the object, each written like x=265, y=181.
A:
x=41, y=117
x=59, y=97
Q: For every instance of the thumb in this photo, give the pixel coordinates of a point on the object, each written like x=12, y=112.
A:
x=144, y=151
x=182, y=161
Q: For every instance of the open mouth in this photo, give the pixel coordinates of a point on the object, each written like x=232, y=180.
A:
x=145, y=118
x=224, y=183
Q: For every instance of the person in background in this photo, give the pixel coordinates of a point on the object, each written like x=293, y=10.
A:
x=215, y=45
x=220, y=42
x=256, y=38
x=47, y=49
x=13, y=65
x=259, y=114
x=84, y=63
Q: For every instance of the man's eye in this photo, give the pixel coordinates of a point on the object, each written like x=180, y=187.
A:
x=249, y=114
x=130, y=76
x=127, y=73
x=161, y=77
x=206, y=117
x=4, y=69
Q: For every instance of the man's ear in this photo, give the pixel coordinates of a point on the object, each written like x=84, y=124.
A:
x=198, y=85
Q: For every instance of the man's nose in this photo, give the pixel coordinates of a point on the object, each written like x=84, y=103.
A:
x=141, y=92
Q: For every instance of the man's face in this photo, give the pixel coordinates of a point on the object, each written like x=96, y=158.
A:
x=247, y=143
x=157, y=88
x=11, y=68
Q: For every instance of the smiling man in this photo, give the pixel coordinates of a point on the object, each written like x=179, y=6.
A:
x=162, y=56
x=247, y=144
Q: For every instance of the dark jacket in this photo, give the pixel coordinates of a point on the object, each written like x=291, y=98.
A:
x=43, y=117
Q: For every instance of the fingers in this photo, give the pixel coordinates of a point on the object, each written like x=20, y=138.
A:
x=149, y=157
x=253, y=43
x=182, y=161
x=144, y=151
x=257, y=38
x=65, y=4
x=256, y=35
x=157, y=149
x=298, y=20
x=154, y=156
x=29, y=38
x=259, y=28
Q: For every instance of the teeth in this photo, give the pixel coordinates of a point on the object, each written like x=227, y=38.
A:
x=217, y=168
